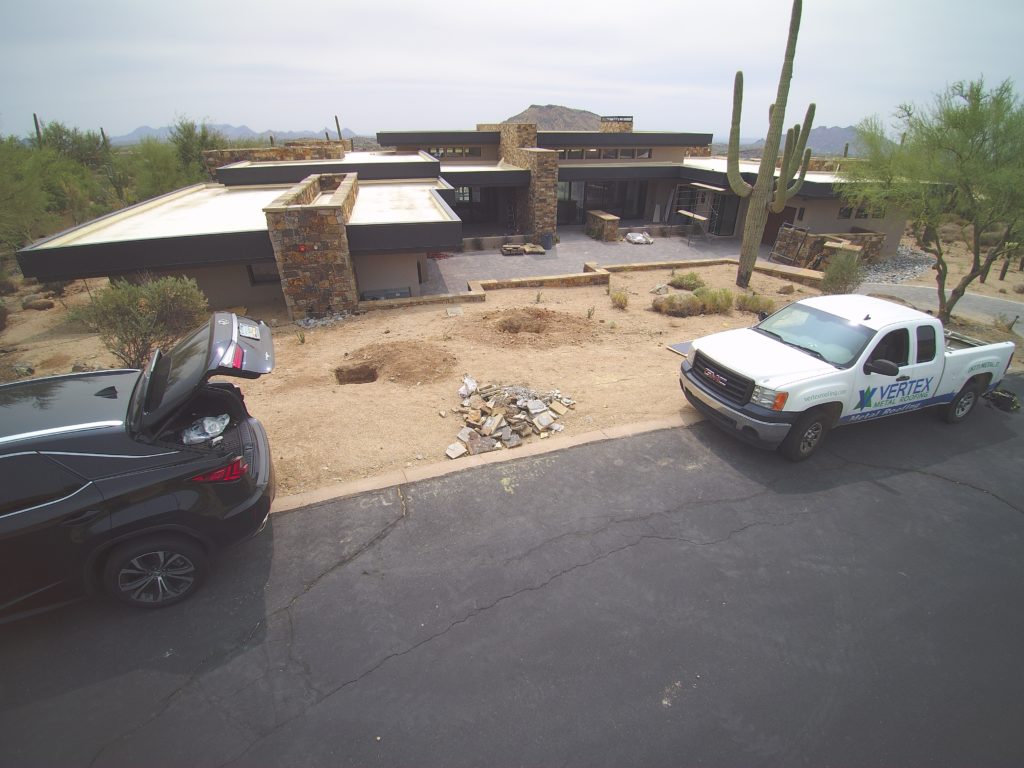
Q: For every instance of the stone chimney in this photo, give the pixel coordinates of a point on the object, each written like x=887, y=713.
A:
x=617, y=124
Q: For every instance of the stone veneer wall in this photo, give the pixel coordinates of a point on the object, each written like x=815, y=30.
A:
x=311, y=245
x=700, y=151
x=624, y=125
x=537, y=205
x=316, y=150
x=795, y=249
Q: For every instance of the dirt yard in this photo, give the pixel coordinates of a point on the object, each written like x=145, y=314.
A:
x=615, y=364
x=958, y=260
x=375, y=392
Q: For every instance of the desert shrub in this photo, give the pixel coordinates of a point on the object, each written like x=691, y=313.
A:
x=56, y=287
x=678, y=305
x=3, y=315
x=843, y=274
x=716, y=301
x=1018, y=288
x=751, y=302
x=7, y=284
x=620, y=299
x=690, y=281
x=133, y=319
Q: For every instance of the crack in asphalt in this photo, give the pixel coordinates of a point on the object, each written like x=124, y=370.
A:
x=935, y=475
x=789, y=520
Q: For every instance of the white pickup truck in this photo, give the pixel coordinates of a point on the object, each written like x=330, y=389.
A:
x=834, y=360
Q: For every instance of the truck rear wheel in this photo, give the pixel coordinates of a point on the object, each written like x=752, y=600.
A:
x=806, y=435
x=963, y=403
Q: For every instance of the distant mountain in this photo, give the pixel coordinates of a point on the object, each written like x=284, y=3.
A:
x=552, y=117
x=232, y=132
x=824, y=141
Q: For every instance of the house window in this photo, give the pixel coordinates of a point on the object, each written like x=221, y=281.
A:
x=862, y=213
x=463, y=195
x=563, y=154
x=563, y=190
x=609, y=154
x=263, y=273
x=591, y=154
x=575, y=154
x=845, y=212
x=878, y=212
x=472, y=151
x=643, y=154
x=627, y=153
x=800, y=214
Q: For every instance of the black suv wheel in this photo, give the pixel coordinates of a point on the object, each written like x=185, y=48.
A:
x=155, y=572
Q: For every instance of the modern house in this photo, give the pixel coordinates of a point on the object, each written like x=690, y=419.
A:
x=327, y=229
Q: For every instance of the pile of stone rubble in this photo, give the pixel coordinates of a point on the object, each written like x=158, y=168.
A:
x=500, y=417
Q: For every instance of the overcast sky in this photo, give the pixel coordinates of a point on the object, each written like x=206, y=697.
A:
x=384, y=65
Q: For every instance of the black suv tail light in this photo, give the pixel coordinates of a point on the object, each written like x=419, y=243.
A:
x=229, y=473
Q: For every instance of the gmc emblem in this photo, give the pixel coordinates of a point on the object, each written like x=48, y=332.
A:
x=715, y=377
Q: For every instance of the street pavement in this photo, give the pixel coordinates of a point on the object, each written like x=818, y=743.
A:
x=924, y=297
x=671, y=598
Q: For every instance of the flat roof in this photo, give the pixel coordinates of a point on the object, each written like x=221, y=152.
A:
x=478, y=166
x=203, y=209
x=351, y=158
x=720, y=165
x=389, y=202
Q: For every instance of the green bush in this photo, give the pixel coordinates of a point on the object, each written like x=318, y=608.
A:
x=691, y=281
x=620, y=299
x=133, y=319
x=751, y=302
x=843, y=274
x=678, y=305
x=716, y=301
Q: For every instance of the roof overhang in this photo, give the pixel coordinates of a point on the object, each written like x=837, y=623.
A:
x=570, y=139
x=437, y=138
x=370, y=166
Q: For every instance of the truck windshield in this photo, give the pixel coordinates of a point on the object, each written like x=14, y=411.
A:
x=818, y=333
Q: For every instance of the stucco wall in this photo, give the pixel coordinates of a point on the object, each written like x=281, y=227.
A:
x=822, y=216
x=376, y=272
x=228, y=285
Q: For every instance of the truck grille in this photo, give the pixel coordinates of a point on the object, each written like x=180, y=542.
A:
x=717, y=378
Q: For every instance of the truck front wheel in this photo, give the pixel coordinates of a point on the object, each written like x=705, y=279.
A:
x=963, y=403
x=806, y=435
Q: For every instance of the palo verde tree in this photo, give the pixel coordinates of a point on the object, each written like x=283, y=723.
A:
x=767, y=192
x=960, y=161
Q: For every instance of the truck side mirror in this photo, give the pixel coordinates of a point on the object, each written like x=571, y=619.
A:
x=882, y=367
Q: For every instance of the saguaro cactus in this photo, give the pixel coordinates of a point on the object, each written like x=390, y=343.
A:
x=767, y=192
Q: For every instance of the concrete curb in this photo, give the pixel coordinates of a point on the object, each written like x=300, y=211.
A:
x=560, y=442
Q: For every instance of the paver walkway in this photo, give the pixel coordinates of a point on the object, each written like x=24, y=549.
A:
x=451, y=274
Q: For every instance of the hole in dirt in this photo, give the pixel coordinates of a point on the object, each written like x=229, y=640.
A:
x=522, y=322
x=356, y=374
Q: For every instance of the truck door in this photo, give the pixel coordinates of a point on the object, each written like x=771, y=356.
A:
x=916, y=350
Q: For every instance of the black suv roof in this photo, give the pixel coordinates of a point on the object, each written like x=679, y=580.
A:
x=63, y=404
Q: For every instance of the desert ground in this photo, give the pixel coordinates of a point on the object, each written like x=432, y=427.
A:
x=614, y=363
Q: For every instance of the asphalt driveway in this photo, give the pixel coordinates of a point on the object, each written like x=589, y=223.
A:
x=673, y=598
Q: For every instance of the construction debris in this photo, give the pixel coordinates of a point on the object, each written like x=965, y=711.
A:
x=502, y=416
x=639, y=238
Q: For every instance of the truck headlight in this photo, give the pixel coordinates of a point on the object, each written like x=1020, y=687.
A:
x=769, y=398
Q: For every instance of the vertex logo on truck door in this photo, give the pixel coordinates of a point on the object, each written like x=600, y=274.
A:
x=893, y=398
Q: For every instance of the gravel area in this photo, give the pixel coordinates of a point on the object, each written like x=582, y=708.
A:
x=907, y=264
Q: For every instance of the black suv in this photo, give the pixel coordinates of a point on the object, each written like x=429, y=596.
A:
x=128, y=481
